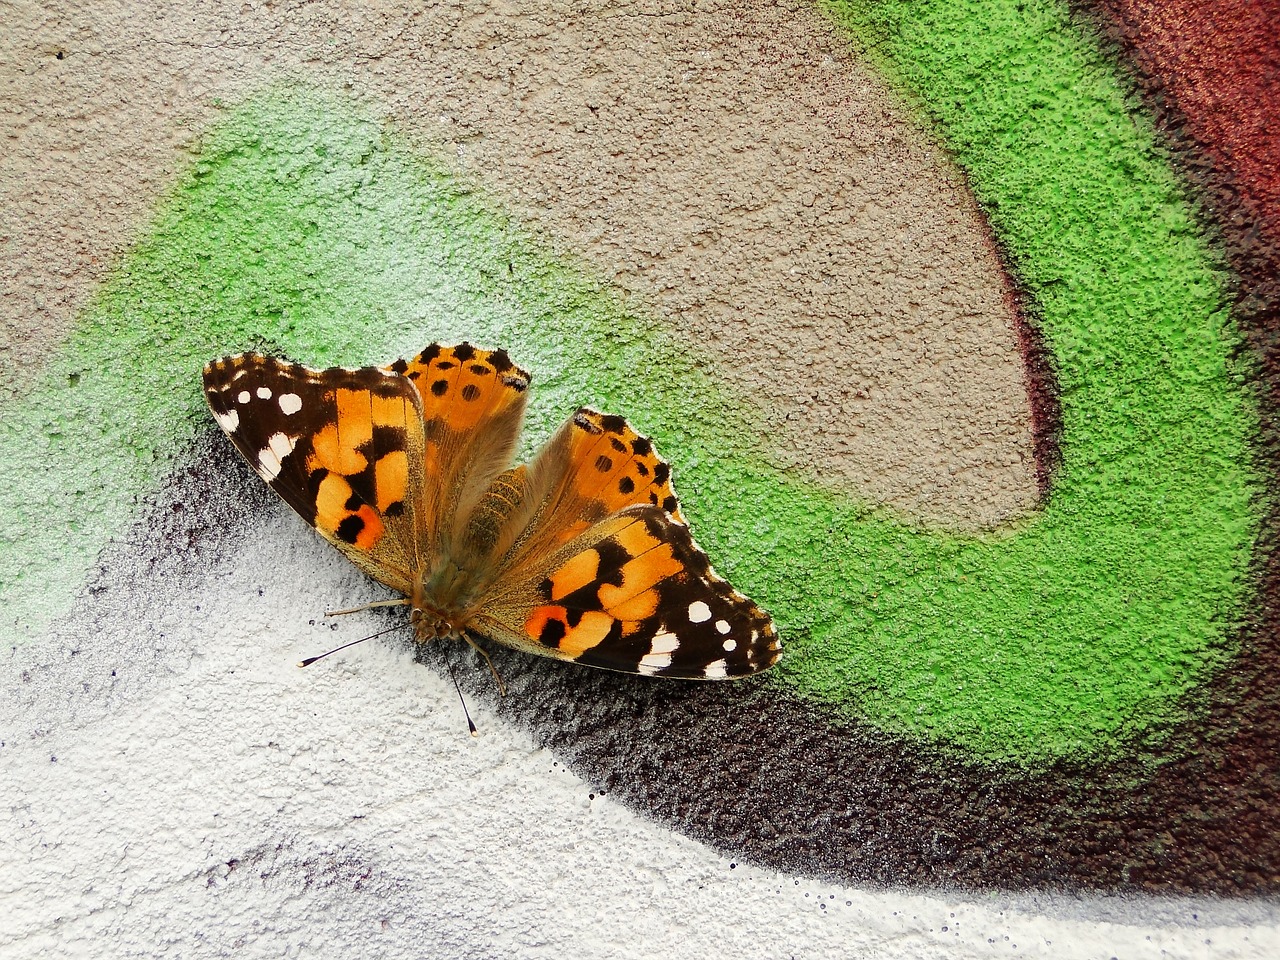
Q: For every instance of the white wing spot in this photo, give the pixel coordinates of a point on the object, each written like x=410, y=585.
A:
x=664, y=642
x=651, y=663
x=243, y=396
x=699, y=612
x=723, y=626
x=730, y=645
x=228, y=421
x=278, y=447
x=264, y=393
x=715, y=671
x=290, y=403
x=281, y=444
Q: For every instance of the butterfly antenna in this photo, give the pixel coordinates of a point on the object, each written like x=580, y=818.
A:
x=310, y=660
x=502, y=687
x=462, y=700
x=401, y=602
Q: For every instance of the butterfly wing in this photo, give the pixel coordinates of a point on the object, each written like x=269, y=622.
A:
x=388, y=463
x=602, y=570
x=344, y=448
x=472, y=405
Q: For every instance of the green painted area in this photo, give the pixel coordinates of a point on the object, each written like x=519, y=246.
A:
x=307, y=229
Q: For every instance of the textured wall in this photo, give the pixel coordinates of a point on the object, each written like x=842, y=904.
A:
x=957, y=324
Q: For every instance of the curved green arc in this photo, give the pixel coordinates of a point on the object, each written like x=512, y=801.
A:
x=1141, y=557
x=303, y=227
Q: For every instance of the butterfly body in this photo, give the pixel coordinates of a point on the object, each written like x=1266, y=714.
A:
x=582, y=554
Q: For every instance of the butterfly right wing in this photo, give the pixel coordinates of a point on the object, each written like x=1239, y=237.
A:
x=602, y=570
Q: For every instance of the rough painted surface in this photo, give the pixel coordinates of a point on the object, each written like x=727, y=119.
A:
x=1057, y=701
x=758, y=245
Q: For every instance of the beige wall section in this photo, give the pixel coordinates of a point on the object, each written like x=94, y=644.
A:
x=733, y=168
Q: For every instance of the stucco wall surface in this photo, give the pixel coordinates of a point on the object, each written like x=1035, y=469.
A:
x=957, y=323
x=187, y=791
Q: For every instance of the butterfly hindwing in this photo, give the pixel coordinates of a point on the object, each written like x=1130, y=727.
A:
x=472, y=406
x=592, y=467
x=344, y=448
x=605, y=573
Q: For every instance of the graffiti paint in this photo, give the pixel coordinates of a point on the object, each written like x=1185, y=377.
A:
x=973, y=708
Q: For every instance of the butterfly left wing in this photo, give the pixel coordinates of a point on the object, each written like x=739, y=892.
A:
x=603, y=571
x=344, y=448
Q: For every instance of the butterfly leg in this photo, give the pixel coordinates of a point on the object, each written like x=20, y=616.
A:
x=402, y=602
x=502, y=687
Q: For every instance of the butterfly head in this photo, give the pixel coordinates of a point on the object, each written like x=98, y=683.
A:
x=430, y=625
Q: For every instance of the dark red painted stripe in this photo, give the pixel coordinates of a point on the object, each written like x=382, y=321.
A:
x=1212, y=70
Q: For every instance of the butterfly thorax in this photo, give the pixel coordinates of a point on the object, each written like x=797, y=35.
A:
x=452, y=588
x=434, y=616
x=445, y=599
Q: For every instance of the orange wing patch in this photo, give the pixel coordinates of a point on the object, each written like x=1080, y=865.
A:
x=464, y=386
x=616, y=467
x=340, y=456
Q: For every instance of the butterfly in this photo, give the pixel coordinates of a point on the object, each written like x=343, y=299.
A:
x=581, y=555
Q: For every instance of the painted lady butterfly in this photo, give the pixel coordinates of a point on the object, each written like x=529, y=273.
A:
x=580, y=555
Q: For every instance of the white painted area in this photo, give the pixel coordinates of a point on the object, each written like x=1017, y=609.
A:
x=264, y=393
x=290, y=403
x=699, y=612
x=213, y=799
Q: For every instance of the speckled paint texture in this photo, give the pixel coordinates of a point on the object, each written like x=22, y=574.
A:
x=964, y=374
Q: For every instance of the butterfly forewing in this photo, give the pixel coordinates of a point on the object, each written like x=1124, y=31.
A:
x=344, y=448
x=634, y=594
